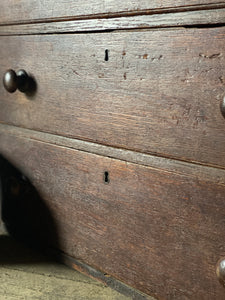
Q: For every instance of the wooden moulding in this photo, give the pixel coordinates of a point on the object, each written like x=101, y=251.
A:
x=199, y=172
x=24, y=11
x=155, y=230
x=159, y=92
x=187, y=18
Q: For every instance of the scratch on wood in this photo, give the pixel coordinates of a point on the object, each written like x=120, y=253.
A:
x=74, y=71
x=157, y=58
x=214, y=55
x=221, y=78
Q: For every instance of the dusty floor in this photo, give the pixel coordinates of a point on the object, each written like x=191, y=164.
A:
x=25, y=274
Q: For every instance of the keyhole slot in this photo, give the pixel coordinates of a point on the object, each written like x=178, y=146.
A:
x=106, y=55
x=106, y=177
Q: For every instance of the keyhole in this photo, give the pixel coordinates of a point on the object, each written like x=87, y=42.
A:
x=106, y=55
x=106, y=177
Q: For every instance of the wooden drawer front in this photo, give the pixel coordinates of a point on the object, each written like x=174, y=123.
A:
x=158, y=231
x=14, y=11
x=159, y=92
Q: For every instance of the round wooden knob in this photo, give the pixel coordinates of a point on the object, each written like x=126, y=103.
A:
x=13, y=81
x=220, y=271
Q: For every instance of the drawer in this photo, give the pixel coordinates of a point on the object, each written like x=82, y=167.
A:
x=156, y=91
x=14, y=11
x=159, y=231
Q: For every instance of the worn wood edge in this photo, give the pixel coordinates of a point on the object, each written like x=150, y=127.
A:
x=104, y=278
x=178, y=19
x=199, y=171
x=181, y=8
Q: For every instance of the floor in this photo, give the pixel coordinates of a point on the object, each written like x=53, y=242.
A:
x=25, y=274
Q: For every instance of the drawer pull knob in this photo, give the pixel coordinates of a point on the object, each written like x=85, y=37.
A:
x=13, y=81
x=220, y=271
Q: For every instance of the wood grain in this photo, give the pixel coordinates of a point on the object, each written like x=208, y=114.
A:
x=199, y=172
x=159, y=92
x=199, y=17
x=158, y=231
x=19, y=11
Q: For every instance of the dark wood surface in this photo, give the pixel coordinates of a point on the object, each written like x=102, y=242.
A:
x=158, y=231
x=199, y=172
x=115, y=157
x=159, y=92
x=160, y=20
x=14, y=11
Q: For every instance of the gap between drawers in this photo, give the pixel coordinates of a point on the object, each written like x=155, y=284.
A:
x=197, y=170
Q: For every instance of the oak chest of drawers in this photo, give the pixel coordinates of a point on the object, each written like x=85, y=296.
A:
x=113, y=153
